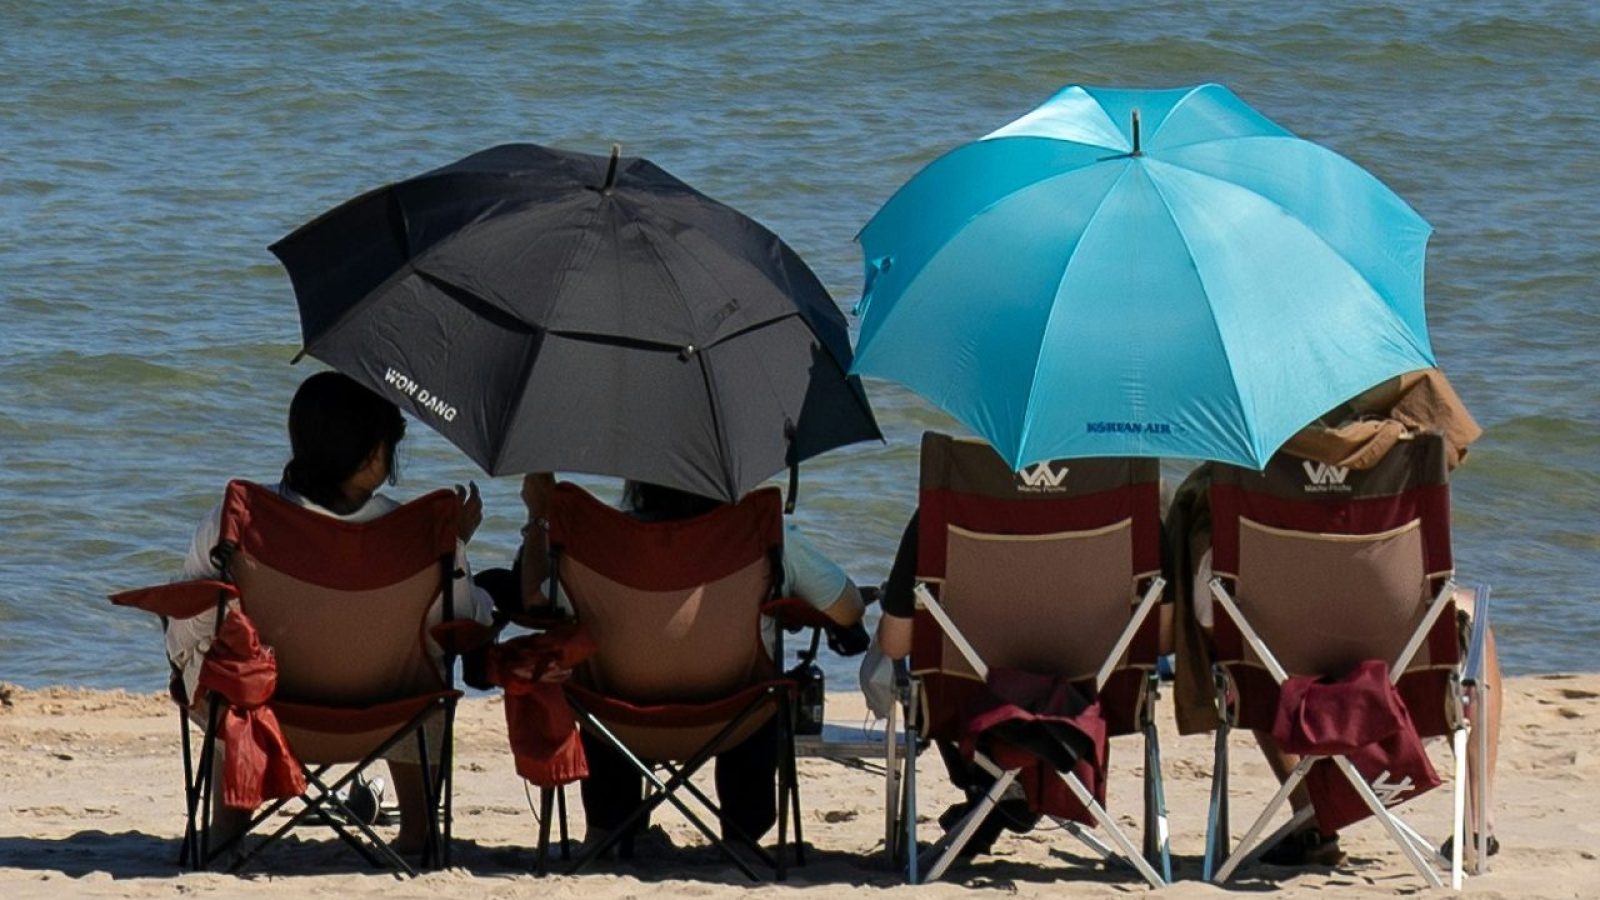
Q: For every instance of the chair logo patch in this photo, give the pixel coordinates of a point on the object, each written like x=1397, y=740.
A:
x=1324, y=478
x=1040, y=477
x=1389, y=792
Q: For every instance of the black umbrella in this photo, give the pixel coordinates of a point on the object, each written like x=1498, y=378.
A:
x=548, y=310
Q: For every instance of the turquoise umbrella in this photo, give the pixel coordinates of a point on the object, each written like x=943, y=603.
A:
x=1142, y=273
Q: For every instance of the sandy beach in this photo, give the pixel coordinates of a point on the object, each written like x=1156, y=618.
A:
x=92, y=808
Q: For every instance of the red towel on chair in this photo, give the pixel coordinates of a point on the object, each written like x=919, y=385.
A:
x=1361, y=717
x=1041, y=725
x=257, y=762
x=542, y=731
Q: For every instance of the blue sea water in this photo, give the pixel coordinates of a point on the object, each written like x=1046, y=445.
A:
x=150, y=152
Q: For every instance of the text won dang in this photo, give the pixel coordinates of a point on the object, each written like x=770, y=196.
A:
x=424, y=399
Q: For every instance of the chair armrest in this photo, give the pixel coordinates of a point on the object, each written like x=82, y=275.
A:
x=178, y=600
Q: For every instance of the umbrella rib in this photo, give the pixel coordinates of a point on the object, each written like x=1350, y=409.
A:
x=1038, y=360
x=641, y=216
x=647, y=215
x=1289, y=214
x=1233, y=376
x=985, y=210
x=515, y=403
x=730, y=482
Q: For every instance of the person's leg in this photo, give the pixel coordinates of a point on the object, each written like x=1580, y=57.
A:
x=411, y=795
x=611, y=792
x=746, y=778
x=1307, y=845
x=227, y=823
x=1490, y=720
x=1010, y=812
x=1282, y=764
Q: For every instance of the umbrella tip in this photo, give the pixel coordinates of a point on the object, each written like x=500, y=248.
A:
x=1136, y=150
x=611, y=170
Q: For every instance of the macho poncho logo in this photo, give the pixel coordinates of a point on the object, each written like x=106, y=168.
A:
x=424, y=400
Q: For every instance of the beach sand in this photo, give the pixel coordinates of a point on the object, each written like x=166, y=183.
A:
x=90, y=805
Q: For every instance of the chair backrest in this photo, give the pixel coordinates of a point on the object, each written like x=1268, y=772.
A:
x=1332, y=566
x=674, y=607
x=1039, y=569
x=342, y=604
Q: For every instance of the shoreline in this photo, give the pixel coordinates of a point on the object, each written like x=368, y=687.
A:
x=92, y=807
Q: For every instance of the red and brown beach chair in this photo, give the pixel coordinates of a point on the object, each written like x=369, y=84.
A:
x=1337, y=627
x=679, y=672
x=340, y=608
x=1045, y=578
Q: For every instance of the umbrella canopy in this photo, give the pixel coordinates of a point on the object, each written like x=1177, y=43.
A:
x=1142, y=273
x=548, y=310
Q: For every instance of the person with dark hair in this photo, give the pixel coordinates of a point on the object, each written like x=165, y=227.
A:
x=342, y=438
x=745, y=773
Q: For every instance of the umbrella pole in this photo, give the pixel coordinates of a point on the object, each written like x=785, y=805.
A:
x=611, y=169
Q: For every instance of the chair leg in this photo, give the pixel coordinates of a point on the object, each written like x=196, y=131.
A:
x=1217, y=837
x=792, y=771
x=786, y=742
x=188, y=851
x=208, y=755
x=1387, y=819
x=447, y=780
x=1157, y=843
x=1249, y=846
x=666, y=790
x=561, y=810
x=950, y=848
x=546, y=804
x=1458, y=796
x=1120, y=840
x=909, y=815
x=430, y=802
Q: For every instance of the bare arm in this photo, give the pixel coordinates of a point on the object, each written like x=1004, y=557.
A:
x=846, y=609
x=894, y=636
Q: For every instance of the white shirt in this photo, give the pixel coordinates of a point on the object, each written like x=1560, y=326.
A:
x=189, y=639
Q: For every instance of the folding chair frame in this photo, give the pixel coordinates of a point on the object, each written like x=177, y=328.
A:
x=778, y=691
x=1469, y=691
x=320, y=801
x=678, y=777
x=325, y=806
x=939, y=857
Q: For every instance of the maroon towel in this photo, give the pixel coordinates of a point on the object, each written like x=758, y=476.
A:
x=539, y=723
x=1363, y=718
x=1041, y=725
x=258, y=764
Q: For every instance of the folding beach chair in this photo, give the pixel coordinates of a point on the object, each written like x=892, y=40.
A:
x=1320, y=570
x=342, y=607
x=1051, y=571
x=679, y=673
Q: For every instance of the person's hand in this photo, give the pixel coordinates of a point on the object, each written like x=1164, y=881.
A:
x=536, y=487
x=471, y=515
